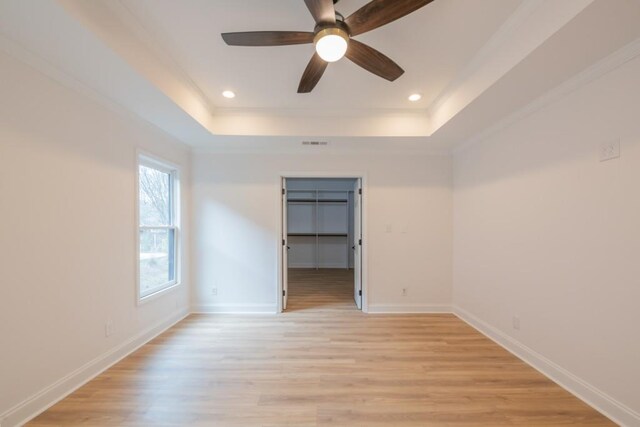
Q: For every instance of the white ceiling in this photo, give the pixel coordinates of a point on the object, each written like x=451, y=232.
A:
x=432, y=44
x=581, y=47
x=476, y=62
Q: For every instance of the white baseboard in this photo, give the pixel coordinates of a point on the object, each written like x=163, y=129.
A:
x=235, y=309
x=31, y=407
x=408, y=308
x=586, y=392
x=49, y=396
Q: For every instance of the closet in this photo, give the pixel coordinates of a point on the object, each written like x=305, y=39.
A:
x=320, y=223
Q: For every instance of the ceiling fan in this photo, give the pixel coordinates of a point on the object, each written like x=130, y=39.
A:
x=332, y=37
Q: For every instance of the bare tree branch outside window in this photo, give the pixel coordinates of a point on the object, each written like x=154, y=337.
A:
x=154, y=197
x=157, y=239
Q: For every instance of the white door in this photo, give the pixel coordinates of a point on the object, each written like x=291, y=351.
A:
x=357, y=243
x=285, y=247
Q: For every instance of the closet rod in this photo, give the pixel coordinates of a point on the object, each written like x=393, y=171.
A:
x=318, y=201
x=323, y=191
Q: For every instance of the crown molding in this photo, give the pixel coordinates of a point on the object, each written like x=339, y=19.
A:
x=588, y=75
x=489, y=49
x=530, y=26
x=41, y=65
x=154, y=40
x=301, y=150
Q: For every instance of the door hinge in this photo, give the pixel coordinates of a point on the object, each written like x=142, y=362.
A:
x=360, y=191
x=284, y=191
x=283, y=242
x=360, y=292
x=360, y=242
x=284, y=293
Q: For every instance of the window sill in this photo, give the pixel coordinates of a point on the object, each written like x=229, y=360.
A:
x=158, y=294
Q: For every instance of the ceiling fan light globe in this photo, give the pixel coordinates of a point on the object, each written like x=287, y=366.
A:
x=331, y=44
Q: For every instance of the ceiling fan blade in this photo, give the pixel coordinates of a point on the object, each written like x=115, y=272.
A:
x=373, y=61
x=267, y=38
x=312, y=74
x=322, y=11
x=381, y=12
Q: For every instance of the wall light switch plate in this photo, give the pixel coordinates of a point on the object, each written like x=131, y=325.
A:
x=108, y=328
x=610, y=150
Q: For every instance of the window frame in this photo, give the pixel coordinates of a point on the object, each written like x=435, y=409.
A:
x=173, y=170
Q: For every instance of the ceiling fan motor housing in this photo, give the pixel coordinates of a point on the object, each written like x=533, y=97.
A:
x=331, y=31
x=338, y=24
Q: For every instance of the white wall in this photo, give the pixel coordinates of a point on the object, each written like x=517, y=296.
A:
x=237, y=212
x=546, y=232
x=67, y=227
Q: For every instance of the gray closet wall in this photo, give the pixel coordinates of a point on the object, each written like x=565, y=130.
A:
x=320, y=222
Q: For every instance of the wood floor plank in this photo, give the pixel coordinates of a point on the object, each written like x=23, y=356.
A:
x=321, y=363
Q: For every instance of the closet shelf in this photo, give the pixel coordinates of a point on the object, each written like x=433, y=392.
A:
x=319, y=234
x=318, y=226
x=319, y=200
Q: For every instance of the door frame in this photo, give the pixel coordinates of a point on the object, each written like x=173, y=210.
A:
x=365, y=241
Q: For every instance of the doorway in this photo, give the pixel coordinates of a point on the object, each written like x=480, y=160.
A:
x=321, y=244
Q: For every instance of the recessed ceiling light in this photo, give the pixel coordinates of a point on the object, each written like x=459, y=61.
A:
x=228, y=94
x=415, y=97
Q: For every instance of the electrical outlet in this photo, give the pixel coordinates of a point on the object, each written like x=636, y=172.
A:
x=516, y=323
x=214, y=291
x=108, y=328
x=610, y=150
x=404, y=292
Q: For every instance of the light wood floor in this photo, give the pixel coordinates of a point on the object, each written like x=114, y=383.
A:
x=319, y=290
x=318, y=366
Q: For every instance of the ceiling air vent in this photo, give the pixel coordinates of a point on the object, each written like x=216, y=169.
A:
x=314, y=142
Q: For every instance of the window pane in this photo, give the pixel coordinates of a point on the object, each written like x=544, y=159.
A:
x=157, y=259
x=155, y=197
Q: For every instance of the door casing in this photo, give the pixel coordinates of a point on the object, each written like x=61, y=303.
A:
x=363, y=252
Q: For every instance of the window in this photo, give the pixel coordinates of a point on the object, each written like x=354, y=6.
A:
x=157, y=227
